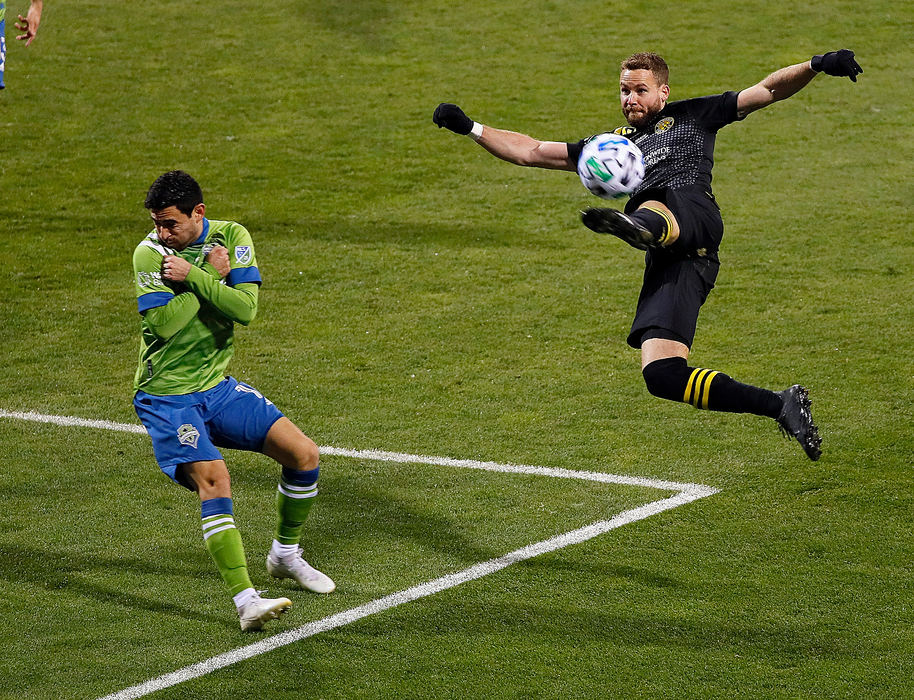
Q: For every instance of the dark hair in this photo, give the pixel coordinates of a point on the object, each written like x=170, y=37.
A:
x=647, y=60
x=175, y=188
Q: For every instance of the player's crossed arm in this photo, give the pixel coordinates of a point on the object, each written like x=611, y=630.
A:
x=218, y=257
x=175, y=268
x=511, y=146
x=788, y=81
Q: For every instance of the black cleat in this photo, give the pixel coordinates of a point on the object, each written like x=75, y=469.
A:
x=796, y=420
x=619, y=225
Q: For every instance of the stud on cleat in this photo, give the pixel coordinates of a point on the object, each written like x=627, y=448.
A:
x=796, y=420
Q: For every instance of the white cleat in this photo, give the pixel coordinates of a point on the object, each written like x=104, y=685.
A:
x=259, y=610
x=301, y=571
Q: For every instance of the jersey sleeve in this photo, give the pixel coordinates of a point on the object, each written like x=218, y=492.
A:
x=238, y=303
x=574, y=150
x=715, y=111
x=241, y=257
x=151, y=290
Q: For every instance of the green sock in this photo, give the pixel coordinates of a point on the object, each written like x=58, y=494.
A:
x=223, y=541
x=294, y=498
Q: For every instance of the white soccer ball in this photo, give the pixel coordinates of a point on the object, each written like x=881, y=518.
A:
x=611, y=166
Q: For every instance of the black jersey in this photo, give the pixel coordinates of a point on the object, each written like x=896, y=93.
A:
x=678, y=143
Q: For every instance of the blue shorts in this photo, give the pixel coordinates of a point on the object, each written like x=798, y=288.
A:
x=189, y=427
x=2, y=43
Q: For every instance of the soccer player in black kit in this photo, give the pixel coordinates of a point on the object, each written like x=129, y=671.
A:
x=673, y=216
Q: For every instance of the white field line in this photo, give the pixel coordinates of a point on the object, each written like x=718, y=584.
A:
x=686, y=494
x=402, y=458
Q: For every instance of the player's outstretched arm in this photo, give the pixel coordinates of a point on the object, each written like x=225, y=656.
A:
x=511, y=146
x=788, y=81
x=29, y=24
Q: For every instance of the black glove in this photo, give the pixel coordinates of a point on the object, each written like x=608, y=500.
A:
x=838, y=63
x=451, y=117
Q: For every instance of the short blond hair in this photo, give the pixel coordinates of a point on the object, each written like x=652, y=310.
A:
x=647, y=60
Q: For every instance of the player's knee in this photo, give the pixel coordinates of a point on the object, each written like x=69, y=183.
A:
x=310, y=455
x=306, y=455
x=666, y=378
x=208, y=479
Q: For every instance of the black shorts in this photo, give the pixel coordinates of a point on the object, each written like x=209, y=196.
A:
x=678, y=279
x=673, y=291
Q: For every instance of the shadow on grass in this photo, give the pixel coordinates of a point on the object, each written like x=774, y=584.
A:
x=55, y=571
x=449, y=234
x=785, y=643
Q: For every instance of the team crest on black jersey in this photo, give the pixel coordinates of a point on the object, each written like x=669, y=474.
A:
x=664, y=124
x=625, y=130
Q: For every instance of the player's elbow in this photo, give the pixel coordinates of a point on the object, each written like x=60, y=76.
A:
x=532, y=157
x=525, y=159
x=162, y=332
x=246, y=316
x=159, y=324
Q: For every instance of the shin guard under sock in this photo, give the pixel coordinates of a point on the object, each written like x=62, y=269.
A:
x=671, y=378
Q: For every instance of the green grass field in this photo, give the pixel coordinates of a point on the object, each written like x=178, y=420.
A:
x=422, y=297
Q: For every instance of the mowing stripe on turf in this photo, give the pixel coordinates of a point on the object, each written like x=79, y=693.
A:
x=406, y=596
x=686, y=494
x=400, y=457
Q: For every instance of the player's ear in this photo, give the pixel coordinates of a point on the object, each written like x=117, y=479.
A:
x=665, y=91
x=199, y=211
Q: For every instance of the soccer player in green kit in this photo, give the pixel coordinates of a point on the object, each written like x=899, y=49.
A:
x=195, y=279
x=28, y=25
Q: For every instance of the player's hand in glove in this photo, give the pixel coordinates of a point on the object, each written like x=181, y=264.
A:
x=450, y=116
x=840, y=63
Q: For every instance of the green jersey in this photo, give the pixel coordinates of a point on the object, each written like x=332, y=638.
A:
x=188, y=327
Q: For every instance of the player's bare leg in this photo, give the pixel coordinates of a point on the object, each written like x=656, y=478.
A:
x=289, y=446
x=210, y=479
x=661, y=348
x=299, y=457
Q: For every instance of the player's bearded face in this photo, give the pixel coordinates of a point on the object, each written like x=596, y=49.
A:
x=176, y=229
x=641, y=95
